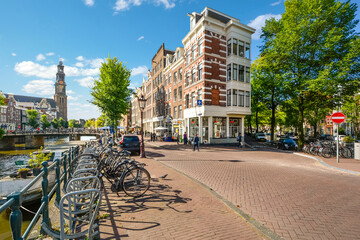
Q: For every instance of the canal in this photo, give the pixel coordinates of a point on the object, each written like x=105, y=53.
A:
x=7, y=163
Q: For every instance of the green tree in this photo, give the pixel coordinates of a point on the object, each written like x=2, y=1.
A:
x=55, y=123
x=111, y=92
x=351, y=108
x=45, y=122
x=72, y=123
x=316, y=46
x=62, y=123
x=32, y=118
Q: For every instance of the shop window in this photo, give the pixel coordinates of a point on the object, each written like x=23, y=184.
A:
x=234, y=127
x=219, y=127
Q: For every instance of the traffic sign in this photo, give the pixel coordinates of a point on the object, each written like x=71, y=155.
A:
x=338, y=117
x=199, y=102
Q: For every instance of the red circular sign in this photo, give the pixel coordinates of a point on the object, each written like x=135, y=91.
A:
x=338, y=117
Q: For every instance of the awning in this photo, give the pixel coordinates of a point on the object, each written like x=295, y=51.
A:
x=161, y=128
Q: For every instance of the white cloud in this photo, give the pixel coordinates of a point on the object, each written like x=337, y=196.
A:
x=29, y=68
x=79, y=64
x=13, y=54
x=49, y=54
x=80, y=58
x=89, y=2
x=141, y=70
x=167, y=3
x=39, y=87
x=121, y=5
x=259, y=22
x=276, y=3
x=40, y=57
x=72, y=98
x=96, y=63
x=70, y=92
x=140, y=38
x=78, y=110
x=85, y=82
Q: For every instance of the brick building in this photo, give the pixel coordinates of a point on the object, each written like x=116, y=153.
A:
x=203, y=88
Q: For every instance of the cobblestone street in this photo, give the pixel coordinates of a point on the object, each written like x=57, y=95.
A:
x=293, y=196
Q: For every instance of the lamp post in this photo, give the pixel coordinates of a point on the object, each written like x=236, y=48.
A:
x=142, y=102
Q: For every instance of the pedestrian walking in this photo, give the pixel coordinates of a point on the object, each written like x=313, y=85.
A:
x=185, y=139
x=177, y=138
x=195, y=143
x=239, y=140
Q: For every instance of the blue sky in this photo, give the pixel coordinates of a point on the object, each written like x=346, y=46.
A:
x=35, y=35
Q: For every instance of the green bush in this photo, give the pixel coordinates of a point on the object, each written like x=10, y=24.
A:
x=348, y=139
x=37, y=159
x=342, y=131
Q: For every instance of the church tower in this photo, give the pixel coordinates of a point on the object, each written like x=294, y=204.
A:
x=60, y=92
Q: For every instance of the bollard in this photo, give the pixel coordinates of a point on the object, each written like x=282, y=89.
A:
x=16, y=217
x=57, y=170
x=45, y=198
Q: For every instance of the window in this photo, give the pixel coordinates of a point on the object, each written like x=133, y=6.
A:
x=175, y=77
x=169, y=93
x=229, y=47
x=180, y=93
x=193, y=99
x=160, y=77
x=175, y=112
x=166, y=95
x=229, y=72
x=192, y=76
x=175, y=95
x=200, y=71
x=187, y=79
x=200, y=46
x=180, y=75
x=241, y=98
x=169, y=78
x=177, y=55
x=165, y=80
x=180, y=112
x=247, y=74
x=247, y=99
x=235, y=93
x=234, y=47
x=228, y=97
x=241, y=73
x=193, y=53
x=247, y=50
x=188, y=58
x=187, y=100
x=199, y=94
x=169, y=109
x=241, y=48
x=235, y=71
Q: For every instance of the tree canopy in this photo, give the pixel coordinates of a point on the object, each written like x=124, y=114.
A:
x=32, y=118
x=45, y=122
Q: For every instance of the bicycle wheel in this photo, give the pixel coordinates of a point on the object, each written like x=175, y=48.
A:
x=327, y=153
x=346, y=153
x=136, y=182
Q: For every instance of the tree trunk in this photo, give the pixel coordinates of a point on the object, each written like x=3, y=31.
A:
x=257, y=121
x=273, y=121
x=301, y=123
x=315, y=129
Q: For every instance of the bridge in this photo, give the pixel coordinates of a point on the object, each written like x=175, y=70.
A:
x=35, y=139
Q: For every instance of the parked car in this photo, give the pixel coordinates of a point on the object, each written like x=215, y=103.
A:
x=130, y=143
x=260, y=137
x=287, y=144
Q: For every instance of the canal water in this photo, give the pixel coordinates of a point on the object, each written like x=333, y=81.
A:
x=7, y=163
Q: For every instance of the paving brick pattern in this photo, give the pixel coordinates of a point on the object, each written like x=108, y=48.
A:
x=295, y=197
x=174, y=207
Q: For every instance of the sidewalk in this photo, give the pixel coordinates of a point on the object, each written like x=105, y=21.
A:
x=174, y=207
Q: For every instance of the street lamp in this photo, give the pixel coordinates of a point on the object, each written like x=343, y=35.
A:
x=142, y=102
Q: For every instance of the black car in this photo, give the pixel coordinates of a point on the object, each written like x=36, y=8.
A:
x=287, y=144
x=130, y=143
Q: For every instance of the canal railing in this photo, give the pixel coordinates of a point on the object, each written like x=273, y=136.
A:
x=15, y=199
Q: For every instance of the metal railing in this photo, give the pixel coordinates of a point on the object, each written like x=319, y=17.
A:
x=15, y=199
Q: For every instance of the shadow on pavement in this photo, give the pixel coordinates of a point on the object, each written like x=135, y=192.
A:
x=120, y=208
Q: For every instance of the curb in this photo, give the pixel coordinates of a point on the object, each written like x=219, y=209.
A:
x=329, y=166
x=257, y=225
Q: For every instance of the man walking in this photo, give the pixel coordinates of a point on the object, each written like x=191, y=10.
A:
x=185, y=138
x=196, y=143
x=239, y=140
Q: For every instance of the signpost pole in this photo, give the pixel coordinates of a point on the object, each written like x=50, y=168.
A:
x=337, y=143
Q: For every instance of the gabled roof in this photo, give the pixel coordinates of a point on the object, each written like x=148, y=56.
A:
x=20, y=98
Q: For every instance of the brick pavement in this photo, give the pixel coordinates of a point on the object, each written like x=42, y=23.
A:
x=174, y=207
x=296, y=197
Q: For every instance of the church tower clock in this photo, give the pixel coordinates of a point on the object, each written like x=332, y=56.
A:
x=60, y=92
